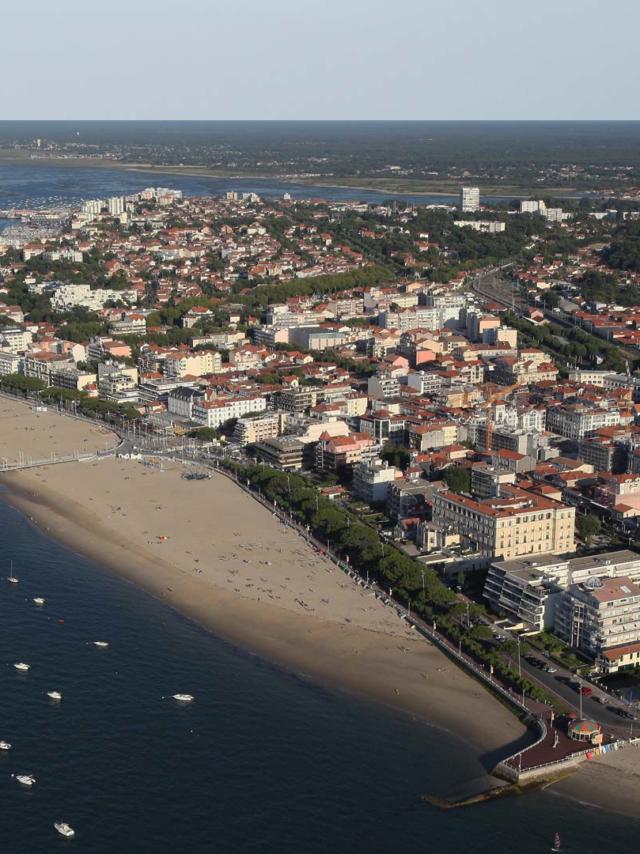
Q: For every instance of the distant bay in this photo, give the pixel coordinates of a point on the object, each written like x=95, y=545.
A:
x=39, y=184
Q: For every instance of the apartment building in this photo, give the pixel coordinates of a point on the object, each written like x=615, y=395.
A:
x=514, y=524
x=529, y=589
x=382, y=386
x=249, y=431
x=10, y=363
x=372, y=480
x=600, y=614
x=577, y=420
x=194, y=364
x=333, y=454
x=214, y=413
x=469, y=199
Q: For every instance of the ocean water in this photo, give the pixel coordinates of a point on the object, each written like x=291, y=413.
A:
x=40, y=185
x=263, y=760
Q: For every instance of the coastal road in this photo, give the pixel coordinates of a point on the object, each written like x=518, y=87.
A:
x=558, y=684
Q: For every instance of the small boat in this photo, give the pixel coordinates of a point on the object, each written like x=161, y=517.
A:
x=183, y=698
x=54, y=695
x=101, y=644
x=11, y=578
x=38, y=600
x=557, y=845
x=4, y=745
x=25, y=779
x=22, y=667
x=64, y=829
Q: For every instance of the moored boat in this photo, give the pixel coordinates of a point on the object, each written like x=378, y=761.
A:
x=64, y=829
x=27, y=780
x=183, y=698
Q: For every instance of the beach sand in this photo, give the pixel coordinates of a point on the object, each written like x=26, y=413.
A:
x=211, y=551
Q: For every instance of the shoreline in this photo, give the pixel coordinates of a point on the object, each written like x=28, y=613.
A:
x=264, y=590
x=303, y=645
x=505, y=194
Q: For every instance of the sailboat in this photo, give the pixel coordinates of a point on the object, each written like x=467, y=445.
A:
x=557, y=845
x=11, y=577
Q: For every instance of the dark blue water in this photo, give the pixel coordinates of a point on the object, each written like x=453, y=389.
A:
x=263, y=761
x=38, y=185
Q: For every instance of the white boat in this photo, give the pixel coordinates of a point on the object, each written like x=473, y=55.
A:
x=22, y=667
x=11, y=578
x=4, y=745
x=25, y=779
x=64, y=829
x=38, y=600
x=101, y=644
x=183, y=698
x=54, y=695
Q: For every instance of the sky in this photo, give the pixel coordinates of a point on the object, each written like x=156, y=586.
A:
x=320, y=59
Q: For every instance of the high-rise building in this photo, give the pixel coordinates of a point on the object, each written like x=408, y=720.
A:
x=116, y=205
x=469, y=199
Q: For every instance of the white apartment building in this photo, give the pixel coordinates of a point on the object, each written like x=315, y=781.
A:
x=486, y=226
x=250, y=431
x=65, y=297
x=192, y=364
x=575, y=421
x=214, y=413
x=530, y=588
x=381, y=386
x=599, y=614
x=371, y=480
x=116, y=205
x=14, y=338
x=469, y=199
x=10, y=363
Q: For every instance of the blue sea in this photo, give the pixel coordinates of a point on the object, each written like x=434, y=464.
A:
x=263, y=761
x=40, y=185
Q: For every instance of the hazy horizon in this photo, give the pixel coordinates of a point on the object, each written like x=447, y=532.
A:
x=231, y=60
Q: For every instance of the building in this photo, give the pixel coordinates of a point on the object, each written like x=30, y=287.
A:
x=469, y=199
x=214, y=413
x=372, y=479
x=250, y=431
x=180, y=401
x=577, y=420
x=194, y=364
x=284, y=452
x=409, y=497
x=599, y=614
x=487, y=226
x=10, y=363
x=116, y=205
x=334, y=454
x=516, y=523
x=528, y=589
x=487, y=481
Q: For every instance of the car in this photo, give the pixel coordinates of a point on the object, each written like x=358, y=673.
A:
x=550, y=669
x=586, y=691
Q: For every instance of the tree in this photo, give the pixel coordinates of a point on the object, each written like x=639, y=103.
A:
x=458, y=479
x=588, y=527
x=396, y=455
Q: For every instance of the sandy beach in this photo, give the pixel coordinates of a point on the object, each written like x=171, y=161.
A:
x=211, y=551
